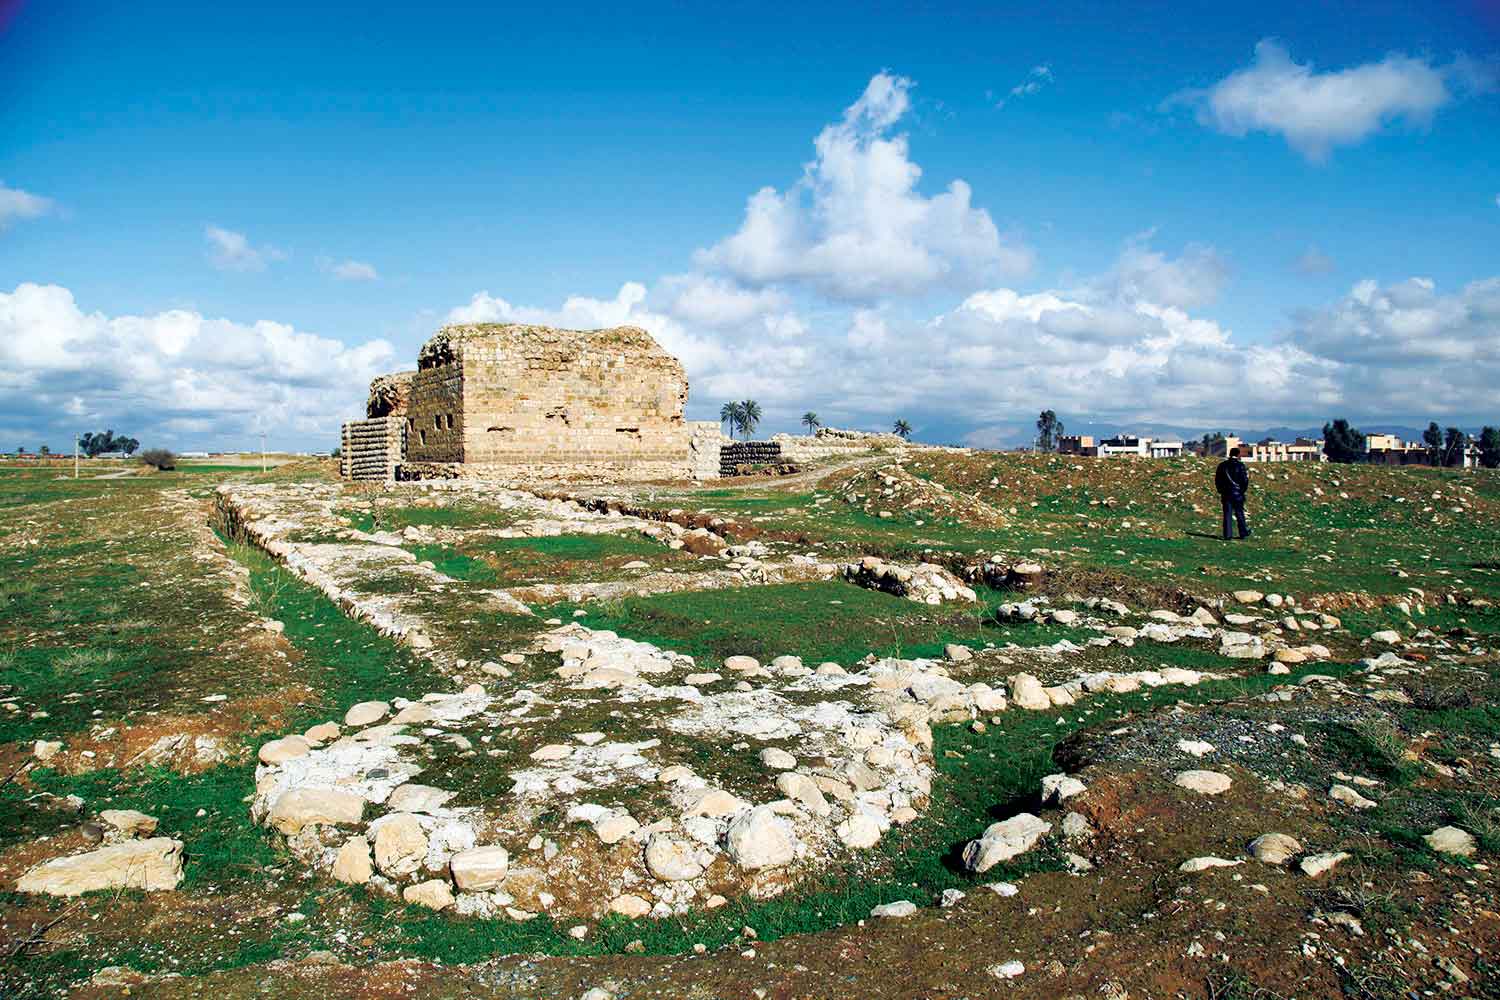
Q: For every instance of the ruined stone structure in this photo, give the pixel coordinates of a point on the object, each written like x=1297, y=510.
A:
x=389, y=395
x=372, y=449
x=509, y=399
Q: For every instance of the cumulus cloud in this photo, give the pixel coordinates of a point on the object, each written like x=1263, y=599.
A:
x=1194, y=279
x=176, y=377
x=1406, y=348
x=232, y=251
x=1038, y=78
x=855, y=227
x=1316, y=111
x=349, y=270
x=1123, y=346
x=582, y=312
x=707, y=300
x=16, y=204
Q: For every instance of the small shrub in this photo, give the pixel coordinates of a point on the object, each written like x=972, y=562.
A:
x=159, y=459
x=1480, y=817
x=1372, y=744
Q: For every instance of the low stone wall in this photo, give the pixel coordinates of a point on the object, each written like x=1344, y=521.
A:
x=372, y=449
x=831, y=442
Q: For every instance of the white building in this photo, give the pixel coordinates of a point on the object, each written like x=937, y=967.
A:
x=1140, y=447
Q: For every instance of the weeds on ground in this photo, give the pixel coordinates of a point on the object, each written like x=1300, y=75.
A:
x=1372, y=745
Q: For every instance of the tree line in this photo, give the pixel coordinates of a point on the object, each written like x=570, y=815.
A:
x=743, y=417
x=1445, y=446
x=93, y=444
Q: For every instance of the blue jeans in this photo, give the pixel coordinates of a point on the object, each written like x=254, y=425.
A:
x=1234, y=513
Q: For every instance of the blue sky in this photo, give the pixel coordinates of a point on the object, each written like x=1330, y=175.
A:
x=212, y=220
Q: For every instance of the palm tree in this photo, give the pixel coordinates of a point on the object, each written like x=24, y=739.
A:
x=811, y=422
x=749, y=416
x=730, y=414
x=902, y=429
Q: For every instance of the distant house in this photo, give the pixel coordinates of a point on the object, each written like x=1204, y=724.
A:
x=1077, y=444
x=1272, y=450
x=1388, y=449
x=1140, y=447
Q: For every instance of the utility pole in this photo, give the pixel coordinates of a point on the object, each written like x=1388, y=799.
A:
x=262, y=451
x=75, y=456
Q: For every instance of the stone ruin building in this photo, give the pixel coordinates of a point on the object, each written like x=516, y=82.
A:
x=505, y=399
x=508, y=400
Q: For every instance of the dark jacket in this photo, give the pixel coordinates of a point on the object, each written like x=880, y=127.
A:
x=1231, y=478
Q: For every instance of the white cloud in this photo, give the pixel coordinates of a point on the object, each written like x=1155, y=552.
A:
x=582, y=312
x=1317, y=111
x=1194, y=279
x=17, y=204
x=1404, y=348
x=707, y=300
x=1039, y=77
x=164, y=376
x=349, y=270
x=232, y=251
x=1104, y=351
x=855, y=226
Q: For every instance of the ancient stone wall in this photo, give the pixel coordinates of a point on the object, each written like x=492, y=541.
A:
x=831, y=442
x=372, y=449
x=435, y=413
x=496, y=401
x=534, y=398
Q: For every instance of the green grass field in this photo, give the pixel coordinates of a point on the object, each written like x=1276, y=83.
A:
x=111, y=618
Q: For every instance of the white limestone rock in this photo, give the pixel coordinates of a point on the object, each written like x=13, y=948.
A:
x=1027, y=692
x=400, y=844
x=1452, y=840
x=1275, y=848
x=366, y=712
x=151, y=864
x=353, y=864
x=670, y=859
x=480, y=868
x=760, y=839
x=1004, y=840
x=1203, y=782
x=299, y=807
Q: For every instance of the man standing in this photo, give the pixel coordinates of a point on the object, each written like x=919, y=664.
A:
x=1232, y=480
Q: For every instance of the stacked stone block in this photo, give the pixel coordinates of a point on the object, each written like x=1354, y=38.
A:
x=743, y=455
x=372, y=449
